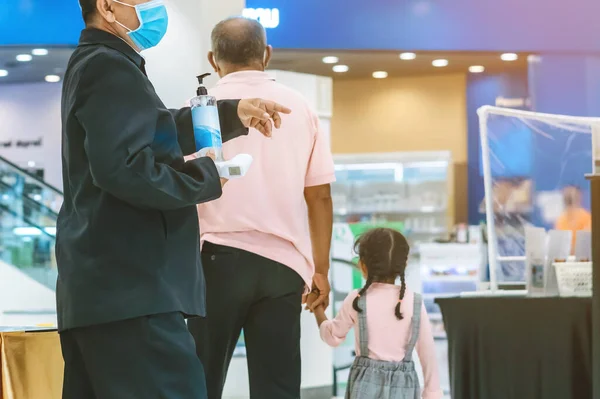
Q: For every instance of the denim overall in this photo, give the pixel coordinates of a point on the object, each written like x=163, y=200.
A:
x=370, y=379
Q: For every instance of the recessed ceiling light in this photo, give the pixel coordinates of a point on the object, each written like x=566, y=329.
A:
x=476, y=69
x=408, y=56
x=24, y=57
x=3, y=73
x=330, y=60
x=52, y=78
x=380, y=74
x=39, y=51
x=340, y=68
x=509, y=57
x=439, y=63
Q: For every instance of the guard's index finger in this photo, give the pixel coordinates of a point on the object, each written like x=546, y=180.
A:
x=275, y=107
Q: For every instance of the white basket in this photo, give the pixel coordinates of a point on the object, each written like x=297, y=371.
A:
x=574, y=278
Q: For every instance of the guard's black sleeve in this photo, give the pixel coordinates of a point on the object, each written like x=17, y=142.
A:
x=231, y=126
x=120, y=118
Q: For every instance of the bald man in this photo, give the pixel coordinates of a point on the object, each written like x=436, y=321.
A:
x=266, y=241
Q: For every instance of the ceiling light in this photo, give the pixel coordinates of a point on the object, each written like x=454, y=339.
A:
x=24, y=57
x=439, y=63
x=380, y=74
x=340, y=68
x=3, y=73
x=408, y=56
x=476, y=69
x=39, y=51
x=52, y=78
x=509, y=57
x=330, y=60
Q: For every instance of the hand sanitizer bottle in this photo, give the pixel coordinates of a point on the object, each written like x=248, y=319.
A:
x=207, y=133
x=205, y=117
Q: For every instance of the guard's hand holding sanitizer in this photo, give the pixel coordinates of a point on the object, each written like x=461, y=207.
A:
x=207, y=133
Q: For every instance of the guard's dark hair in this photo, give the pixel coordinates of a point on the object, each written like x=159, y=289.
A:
x=88, y=9
x=384, y=253
x=239, y=41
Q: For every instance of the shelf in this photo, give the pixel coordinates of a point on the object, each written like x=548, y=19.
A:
x=450, y=278
x=433, y=230
x=424, y=210
x=433, y=295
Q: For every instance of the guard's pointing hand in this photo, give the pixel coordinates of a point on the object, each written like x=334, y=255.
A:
x=261, y=114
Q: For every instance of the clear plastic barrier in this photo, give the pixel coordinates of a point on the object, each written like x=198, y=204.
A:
x=533, y=167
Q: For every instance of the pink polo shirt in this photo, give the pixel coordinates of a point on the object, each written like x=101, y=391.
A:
x=265, y=212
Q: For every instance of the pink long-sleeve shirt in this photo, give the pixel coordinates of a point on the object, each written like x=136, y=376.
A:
x=388, y=336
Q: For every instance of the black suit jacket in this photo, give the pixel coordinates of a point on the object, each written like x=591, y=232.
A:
x=127, y=241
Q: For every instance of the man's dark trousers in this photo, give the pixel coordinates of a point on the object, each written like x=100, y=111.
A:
x=149, y=357
x=245, y=291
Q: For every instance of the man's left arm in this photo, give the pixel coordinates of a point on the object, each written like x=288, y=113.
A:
x=231, y=124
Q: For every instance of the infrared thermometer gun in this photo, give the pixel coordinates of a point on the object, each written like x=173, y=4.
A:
x=207, y=134
x=234, y=168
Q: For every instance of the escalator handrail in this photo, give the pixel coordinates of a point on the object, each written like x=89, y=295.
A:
x=30, y=200
x=31, y=176
x=4, y=208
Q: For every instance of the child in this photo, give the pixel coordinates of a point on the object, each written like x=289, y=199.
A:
x=389, y=320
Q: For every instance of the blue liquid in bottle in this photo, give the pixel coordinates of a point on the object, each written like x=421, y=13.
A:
x=205, y=118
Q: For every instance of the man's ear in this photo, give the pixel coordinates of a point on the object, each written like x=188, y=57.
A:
x=268, y=55
x=211, y=60
x=104, y=8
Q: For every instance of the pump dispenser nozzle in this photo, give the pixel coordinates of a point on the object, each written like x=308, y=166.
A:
x=202, y=89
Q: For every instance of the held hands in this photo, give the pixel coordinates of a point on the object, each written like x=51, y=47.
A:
x=261, y=114
x=319, y=297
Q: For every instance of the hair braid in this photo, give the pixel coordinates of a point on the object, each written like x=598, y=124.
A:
x=402, y=291
x=362, y=292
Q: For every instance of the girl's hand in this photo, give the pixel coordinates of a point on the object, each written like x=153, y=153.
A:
x=310, y=299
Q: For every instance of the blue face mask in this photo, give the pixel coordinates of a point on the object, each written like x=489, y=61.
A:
x=154, y=21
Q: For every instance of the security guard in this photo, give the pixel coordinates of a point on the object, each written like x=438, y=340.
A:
x=127, y=241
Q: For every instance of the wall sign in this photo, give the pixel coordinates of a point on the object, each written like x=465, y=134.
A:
x=21, y=143
x=268, y=17
x=432, y=25
x=40, y=22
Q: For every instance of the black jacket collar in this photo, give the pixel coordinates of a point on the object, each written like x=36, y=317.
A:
x=91, y=36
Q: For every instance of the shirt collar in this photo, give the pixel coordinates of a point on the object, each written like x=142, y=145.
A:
x=91, y=36
x=245, y=77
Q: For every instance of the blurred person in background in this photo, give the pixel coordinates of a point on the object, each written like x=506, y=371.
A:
x=574, y=217
x=127, y=243
x=268, y=238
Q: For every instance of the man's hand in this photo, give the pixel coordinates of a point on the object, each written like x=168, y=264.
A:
x=258, y=113
x=322, y=289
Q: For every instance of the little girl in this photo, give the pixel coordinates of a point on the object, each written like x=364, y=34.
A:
x=389, y=321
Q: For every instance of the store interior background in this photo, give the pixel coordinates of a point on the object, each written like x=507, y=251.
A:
x=418, y=108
